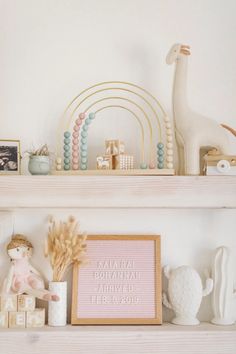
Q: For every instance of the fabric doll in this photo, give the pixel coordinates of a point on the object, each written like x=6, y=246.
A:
x=22, y=276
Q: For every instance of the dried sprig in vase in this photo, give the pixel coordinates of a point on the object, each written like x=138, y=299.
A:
x=64, y=246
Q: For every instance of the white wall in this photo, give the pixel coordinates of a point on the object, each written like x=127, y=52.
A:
x=52, y=49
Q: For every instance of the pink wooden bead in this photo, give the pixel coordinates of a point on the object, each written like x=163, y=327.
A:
x=75, y=147
x=75, y=141
x=82, y=116
x=75, y=154
x=75, y=135
x=75, y=160
x=75, y=166
x=76, y=128
x=152, y=165
x=78, y=122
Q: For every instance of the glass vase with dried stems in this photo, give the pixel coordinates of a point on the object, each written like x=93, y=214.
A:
x=64, y=246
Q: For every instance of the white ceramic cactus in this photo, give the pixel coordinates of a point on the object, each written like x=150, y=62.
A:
x=223, y=292
x=185, y=294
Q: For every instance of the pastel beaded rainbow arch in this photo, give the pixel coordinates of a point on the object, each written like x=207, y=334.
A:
x=163, y=155
x=121, y=89
x=84, y=135
x=136, y=116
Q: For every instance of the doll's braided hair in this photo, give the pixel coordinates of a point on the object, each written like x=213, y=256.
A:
x=17, y=241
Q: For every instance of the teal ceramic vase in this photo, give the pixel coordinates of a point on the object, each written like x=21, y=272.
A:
x=39, y=165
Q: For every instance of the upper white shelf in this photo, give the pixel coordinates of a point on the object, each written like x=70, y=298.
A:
x=117, y=191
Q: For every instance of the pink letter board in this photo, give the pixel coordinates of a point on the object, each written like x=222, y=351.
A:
x=121, y=284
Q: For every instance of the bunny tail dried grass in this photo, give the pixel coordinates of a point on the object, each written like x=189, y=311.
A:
x=64, y=246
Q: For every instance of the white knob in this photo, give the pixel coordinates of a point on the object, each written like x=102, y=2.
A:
x=223, y=166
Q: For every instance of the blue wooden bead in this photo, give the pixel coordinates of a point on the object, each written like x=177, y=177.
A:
x=66, y=147
x=67, y=134
x=83, y=166
x=160, y=159
x=83, y=153
x=67, y=154
x=160, y=152
x=85, y=127
x=160, y=165
x=160, y=146
x=87, y=121
x=84, y=134
x=83, y=147
x=91, y=115
x=143, y=166
x=66, y=141
x=66, y=167
x=84, y=141
x=66, y=161
x=84, y=160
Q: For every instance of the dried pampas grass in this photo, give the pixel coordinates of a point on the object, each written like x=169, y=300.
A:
x=64, y=246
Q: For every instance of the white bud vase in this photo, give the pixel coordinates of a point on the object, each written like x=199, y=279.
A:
x=57, y=310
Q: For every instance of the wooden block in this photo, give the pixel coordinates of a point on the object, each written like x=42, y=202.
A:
x=35, y=318
x=3, y=319
x=17, y=319
x=26, y=303
x=114, y=147
x=8, y=303
x=104, y=162
x=124, y=162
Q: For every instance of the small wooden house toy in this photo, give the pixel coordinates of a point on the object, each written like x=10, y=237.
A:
x=114, y=147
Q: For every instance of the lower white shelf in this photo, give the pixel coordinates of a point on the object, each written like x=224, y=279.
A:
x=206, y=339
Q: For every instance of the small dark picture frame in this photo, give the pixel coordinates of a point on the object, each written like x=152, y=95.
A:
x=10, y=157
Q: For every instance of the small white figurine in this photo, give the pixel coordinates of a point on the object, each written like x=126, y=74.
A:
x=23, y=277
x=193, y=130
x=223, y=292
x=185, y=294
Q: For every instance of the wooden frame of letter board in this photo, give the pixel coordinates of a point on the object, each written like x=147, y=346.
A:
x=126, y=321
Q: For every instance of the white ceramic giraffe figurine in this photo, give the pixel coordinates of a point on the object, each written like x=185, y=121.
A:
x=193, y=130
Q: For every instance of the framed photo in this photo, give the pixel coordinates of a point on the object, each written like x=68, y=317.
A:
x=121, y=284
x=10, y=157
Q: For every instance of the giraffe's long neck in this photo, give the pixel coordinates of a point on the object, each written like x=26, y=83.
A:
x=180, y=104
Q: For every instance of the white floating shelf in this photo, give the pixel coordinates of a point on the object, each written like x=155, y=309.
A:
x=165, y=339
x=117, y=192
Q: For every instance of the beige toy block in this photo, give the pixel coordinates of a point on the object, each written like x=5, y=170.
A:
x=3, y=319
x=35, y=318
x=17, y=319
x=8, y=303
x=114, y=147
x=104, y=162
x=26, y=303
x=124, y=162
